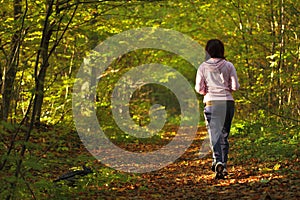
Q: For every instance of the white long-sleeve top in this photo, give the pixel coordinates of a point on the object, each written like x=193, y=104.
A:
x=216, y=79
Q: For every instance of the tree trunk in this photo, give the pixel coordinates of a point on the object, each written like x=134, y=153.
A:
x=40, y=82
x=43, y=54
x=12, y=65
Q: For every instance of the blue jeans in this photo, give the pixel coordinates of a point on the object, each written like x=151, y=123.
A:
x=218, y=117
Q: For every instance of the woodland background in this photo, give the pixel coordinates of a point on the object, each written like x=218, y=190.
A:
x=43, y=43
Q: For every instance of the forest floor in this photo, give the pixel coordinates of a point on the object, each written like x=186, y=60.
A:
x=190, y=177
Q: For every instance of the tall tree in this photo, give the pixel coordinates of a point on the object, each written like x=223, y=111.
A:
x=10, y=69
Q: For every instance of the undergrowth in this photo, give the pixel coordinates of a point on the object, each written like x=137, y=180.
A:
x=264, y=144
x=54, y=151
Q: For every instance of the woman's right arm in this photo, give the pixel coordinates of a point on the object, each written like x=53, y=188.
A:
x=200, y=85
x=234, y=80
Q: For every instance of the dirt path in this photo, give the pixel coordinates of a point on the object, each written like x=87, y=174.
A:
x=190, y=178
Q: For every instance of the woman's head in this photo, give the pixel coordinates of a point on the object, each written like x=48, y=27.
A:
x=215, y=48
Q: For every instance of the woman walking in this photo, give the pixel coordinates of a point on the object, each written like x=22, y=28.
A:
x=216, y=79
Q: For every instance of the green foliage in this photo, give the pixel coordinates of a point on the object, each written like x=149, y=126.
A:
x=51, y=154
x=265, y=143
x=261, y=40
x=263, y=48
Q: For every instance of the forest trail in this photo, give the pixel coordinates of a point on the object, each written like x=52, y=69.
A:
x=191, y=178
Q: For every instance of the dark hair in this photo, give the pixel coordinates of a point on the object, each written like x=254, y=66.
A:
x=215, y=48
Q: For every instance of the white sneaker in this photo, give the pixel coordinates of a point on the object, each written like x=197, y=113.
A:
x=219, y=171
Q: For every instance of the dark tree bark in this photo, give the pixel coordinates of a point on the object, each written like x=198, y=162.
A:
x=44, y=55
x=12, y=65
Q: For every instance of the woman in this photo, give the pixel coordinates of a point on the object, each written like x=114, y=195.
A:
x=216, y=79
